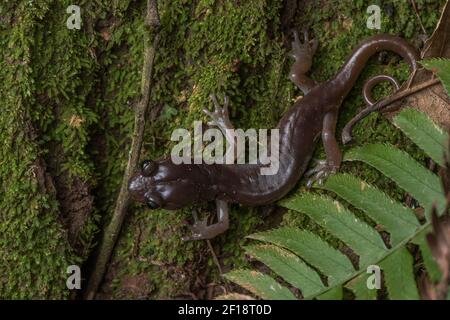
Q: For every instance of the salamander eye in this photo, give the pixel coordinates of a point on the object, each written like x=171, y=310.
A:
x=151, y=204
x=148, y=167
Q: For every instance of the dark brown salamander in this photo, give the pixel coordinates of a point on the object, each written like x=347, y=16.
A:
x=163, y=184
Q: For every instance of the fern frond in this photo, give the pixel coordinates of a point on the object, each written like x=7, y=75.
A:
x=342, y=223
x=399, y=166
x=390, y=215
x=332, y=263
x=358, y=286
x=260, y=284
x=289, y=267
x=423, y=132
x=428, y=260
x=399, y=275
x=441, y=67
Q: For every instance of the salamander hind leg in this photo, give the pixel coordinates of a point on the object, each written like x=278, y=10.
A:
x=333, y=153
x=319, y=173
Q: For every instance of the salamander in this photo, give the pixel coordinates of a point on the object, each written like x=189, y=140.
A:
x=163, y=184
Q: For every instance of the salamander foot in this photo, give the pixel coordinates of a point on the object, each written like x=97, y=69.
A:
x=320, y=173
x=303, y=50
x=220, y=116
x=202, y=231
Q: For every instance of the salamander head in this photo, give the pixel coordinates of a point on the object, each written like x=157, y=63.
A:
x=163, y=184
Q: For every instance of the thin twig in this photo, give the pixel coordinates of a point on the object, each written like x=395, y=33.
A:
x=413, y=3
x=112, y=230
x=347, y=131
x=214, y=256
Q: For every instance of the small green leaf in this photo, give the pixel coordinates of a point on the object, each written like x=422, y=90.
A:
x=430, y=263
x=260, y=284
x=289, y=267
x=399, y=275
x=423, y=132
x=342, y=223
x=391, y=215
x=335, y=293
x=332, y=263
x=441, y=67
x=397, y=165
x=359, y=287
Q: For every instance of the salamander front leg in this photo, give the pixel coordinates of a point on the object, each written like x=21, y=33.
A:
x=220, y=116
x=202, y=231
x=333, y=153
x=303, y=53
x=221, y=119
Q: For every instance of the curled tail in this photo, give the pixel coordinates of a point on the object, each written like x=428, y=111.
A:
x=358, y=59
x=372, y=82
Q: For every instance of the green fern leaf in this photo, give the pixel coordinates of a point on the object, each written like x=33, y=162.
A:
x=399, y=275
x=391, y=215
x=260, y=284
x=289, y=267
x=332, y=263
x=423, y=132
x=397, y=165
x=358, y=286
x=342, y=223
x=441, y=67
x=429, y=262
x=336, y=293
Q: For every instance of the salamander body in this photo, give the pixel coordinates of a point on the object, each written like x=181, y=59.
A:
x=167, y=185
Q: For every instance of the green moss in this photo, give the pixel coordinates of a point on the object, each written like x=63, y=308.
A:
x=33, y=249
